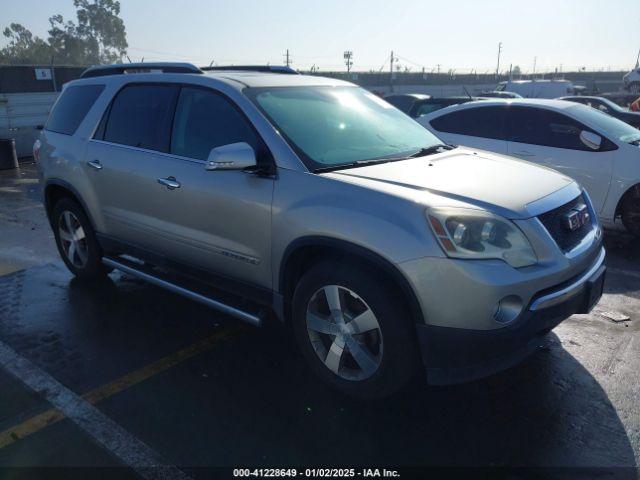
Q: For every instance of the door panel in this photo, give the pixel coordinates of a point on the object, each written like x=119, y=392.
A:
x=218, y=221
x=553, y=139
x=592, y=170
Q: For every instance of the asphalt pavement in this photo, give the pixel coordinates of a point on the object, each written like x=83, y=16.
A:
x=122, y=375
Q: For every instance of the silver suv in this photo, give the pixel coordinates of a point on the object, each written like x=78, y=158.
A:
x=313, y=201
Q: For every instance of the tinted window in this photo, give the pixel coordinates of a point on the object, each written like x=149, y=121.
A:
x=485, y=122
x=205, y=120
x=543, y=127
x=72, y=107
x=141, y=116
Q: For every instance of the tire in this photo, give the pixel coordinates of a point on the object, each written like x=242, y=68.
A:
x=631, y=212
x=390, y=359
x=76, y=240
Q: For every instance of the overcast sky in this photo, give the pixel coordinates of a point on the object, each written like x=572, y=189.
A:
x=457, y=34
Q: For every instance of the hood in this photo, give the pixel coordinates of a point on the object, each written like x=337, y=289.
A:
x=464, y=177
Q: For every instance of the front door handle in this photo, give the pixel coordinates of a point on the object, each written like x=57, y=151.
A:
x=170, y=182
x=95, y=164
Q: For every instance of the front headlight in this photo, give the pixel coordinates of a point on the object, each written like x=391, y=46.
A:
x=476, y=234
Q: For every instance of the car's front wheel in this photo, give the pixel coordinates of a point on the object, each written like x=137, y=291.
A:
x=76, y=240
x=354, y=331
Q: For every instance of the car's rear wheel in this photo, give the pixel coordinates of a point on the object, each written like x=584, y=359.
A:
x=631, y=212
x=353, y=330
x=76, y=240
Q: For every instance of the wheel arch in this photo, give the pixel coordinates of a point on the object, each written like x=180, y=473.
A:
x=307, y=251
x=56, y=189
x=630, y=191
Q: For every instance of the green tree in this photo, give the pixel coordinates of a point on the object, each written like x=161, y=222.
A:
x=97, y=36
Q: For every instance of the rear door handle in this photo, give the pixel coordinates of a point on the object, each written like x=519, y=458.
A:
x=170, y=182
x=95, y=164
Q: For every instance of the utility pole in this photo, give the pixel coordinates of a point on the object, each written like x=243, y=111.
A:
x=535, y=60
x=498, y=67
x=438, y=67
x=391, y=60
x=348, y=59
x=287, y=60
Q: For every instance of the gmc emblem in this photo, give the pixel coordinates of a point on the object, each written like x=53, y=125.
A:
x=576, y=217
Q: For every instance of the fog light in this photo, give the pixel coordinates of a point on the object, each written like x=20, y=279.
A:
x=508, y=309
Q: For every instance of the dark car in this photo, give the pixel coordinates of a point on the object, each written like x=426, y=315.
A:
x=415, y=105
x=607, y=106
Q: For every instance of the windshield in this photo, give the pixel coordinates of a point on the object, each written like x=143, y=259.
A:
x=606, y=124
x=333, y=126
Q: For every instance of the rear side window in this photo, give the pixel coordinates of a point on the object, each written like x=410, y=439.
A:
x=485, y=122
x=537, y=126
x=72, y=107
x=205, y=120
x=140, y=116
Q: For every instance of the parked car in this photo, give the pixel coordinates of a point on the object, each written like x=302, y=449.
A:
x=607, y=106
x=495, y=94
x=537, y=88
x=597, y=150
x=415, y=105
x=316, y=202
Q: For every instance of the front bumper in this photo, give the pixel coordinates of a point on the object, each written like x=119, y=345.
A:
x=455, y=355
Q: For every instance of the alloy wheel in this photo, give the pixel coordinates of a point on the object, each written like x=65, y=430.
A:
x=344, y=332
x=73, y=239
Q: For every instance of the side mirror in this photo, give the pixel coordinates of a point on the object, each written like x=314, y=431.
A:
x=235, y=156
x=591, y=140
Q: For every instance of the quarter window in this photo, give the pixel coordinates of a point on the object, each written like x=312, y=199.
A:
x=141, y=115
x=205, y=120
x=484, y=122
x=72, y=107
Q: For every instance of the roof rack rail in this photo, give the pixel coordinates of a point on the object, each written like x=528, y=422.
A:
x=153, y=67
x=253, y=68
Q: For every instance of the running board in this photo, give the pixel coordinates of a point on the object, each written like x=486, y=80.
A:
x=130, y=269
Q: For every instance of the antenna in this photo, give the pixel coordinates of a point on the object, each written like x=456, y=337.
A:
x=467, y=92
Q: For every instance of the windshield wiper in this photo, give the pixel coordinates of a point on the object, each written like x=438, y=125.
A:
x=358, y=163
x=431, y=150
x=374, y=161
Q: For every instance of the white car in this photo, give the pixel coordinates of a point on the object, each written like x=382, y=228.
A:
x=599, y=151
x=537, y=88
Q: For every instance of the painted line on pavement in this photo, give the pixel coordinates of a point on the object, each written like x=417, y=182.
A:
x=129, y=449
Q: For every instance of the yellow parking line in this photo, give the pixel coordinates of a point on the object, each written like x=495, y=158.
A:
x=51, y=416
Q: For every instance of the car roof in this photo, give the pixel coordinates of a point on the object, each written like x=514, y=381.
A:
x=239, y=79
x=488, y=102
x=527, y=102
x=263, y=79
x=416, y=96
